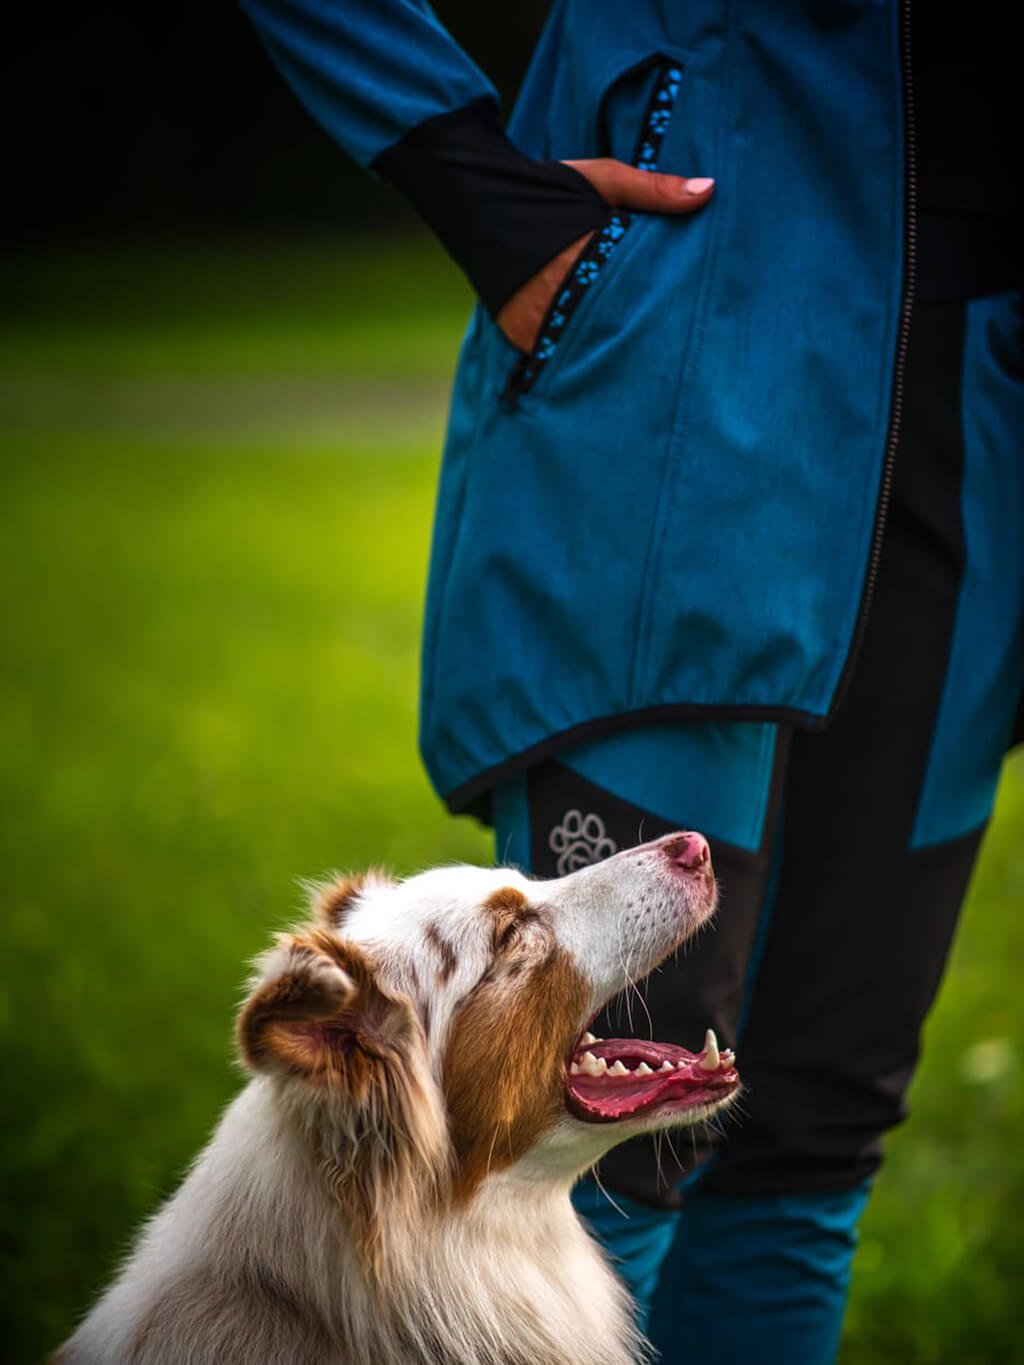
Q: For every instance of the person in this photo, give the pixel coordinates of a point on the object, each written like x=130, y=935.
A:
x=730, y=535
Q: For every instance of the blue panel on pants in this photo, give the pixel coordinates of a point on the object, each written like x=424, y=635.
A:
x=986, y=665
x=757, y=1281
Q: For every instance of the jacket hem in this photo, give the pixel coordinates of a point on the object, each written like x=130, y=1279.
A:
x=473, y=797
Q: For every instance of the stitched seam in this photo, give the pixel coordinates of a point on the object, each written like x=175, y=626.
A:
x=684, y=396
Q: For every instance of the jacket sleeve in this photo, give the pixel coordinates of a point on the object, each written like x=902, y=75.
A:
x=394, y=89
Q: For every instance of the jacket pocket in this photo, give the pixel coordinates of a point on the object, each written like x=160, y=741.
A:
x=606, y=240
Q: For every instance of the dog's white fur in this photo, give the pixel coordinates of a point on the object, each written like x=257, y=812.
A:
x=265, y=1255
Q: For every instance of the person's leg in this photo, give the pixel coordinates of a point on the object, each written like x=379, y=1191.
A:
x=883, y=814
x=873, y=871
x=564, y=814
x=557, y=820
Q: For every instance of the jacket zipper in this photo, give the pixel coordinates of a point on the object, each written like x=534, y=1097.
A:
x=899, y=365
x=580, y=274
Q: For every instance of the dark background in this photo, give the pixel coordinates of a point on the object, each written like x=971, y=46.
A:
x=171, y=120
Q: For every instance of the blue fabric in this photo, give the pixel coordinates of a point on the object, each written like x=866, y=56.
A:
x=986, y=665
x=729, y=1281
x=637, y=1238
x=715, y=777
x=756, y=1280
x=367, y=70
x=680, y=509
x=678, y=513
x=511, y=815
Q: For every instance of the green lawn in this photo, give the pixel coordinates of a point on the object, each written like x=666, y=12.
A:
x=214, y=516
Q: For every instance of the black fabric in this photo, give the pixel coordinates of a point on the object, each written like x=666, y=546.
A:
x=552, y=790
x=968, y=125
x=968, y=107
x=964, y=256
x=860, y=924
x=721, y=962
x=500, y=215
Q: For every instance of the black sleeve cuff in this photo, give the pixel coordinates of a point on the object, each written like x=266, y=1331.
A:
x=500, y=215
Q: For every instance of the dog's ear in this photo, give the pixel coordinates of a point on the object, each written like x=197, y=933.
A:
x=318, y=1016
x=330, y=901
x=318, y=1012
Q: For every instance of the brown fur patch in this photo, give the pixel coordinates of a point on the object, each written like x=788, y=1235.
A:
x=504, y=1068
x=508, y=899
x=444, y=950
x=507, y=907
x=332, y=902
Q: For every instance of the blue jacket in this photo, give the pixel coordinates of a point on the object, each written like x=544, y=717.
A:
x=677, y=512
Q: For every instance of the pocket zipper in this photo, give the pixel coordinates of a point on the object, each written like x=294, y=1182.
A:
x=588, y=264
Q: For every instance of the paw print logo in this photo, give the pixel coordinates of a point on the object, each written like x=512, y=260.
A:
x=586, y=271
x=579, y=841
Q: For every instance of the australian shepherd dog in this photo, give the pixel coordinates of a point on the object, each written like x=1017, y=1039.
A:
x=392, y=1185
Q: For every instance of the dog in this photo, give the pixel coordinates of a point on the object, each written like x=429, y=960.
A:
x=392, y=1185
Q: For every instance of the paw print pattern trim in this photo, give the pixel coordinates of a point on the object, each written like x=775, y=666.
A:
x=598, y=251
x=579, y=841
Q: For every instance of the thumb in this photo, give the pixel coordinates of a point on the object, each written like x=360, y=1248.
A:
x=647, y=191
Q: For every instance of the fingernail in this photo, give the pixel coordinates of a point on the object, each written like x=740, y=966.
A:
x=698, y=186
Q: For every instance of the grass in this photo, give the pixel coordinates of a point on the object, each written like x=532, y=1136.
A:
x=214, y=517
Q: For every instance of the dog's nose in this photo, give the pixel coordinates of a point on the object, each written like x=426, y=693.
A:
x=689, y=850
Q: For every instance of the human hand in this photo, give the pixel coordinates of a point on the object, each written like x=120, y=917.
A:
x=621, y=186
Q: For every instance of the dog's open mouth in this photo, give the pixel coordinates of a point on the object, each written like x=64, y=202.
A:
x=619, y=1078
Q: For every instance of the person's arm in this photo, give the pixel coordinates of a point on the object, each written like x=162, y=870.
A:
x=395, y=90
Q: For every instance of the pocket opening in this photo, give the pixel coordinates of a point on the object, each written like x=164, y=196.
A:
x=596, y=253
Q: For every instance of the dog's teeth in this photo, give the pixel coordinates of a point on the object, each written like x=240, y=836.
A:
x=666, y=1066
x=574, y=1070
x=711, y=1060
x=592, y=1066
x=617, y=1069
x=728, y=1057
x=588, y=1038
x=644, y=1070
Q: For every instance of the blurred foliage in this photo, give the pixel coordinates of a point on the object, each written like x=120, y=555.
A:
x=214, y=517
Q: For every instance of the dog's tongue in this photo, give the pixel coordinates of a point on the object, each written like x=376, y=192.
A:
x=615, y=1078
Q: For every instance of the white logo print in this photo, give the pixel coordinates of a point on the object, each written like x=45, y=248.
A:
x=580, y=840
